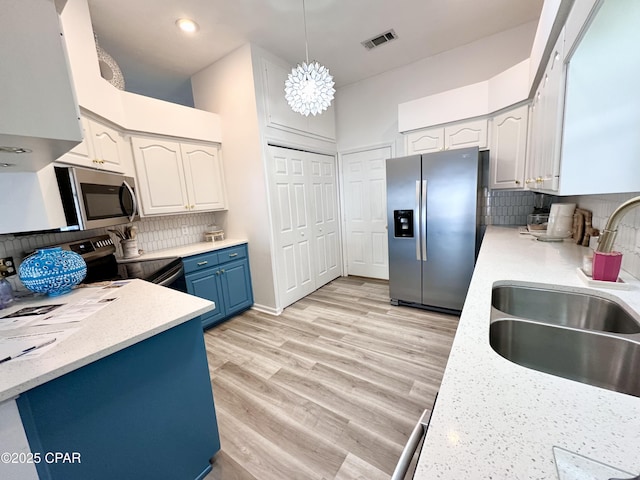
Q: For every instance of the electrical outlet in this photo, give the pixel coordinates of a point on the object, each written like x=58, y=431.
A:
x=10, y=267
x=185, y=230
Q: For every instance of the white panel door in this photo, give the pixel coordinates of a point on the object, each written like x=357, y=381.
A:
x=324, y=188
x=365, y=211
x=289, y=184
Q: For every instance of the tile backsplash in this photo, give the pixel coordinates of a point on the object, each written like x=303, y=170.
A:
x=154, y=233
x=628, y=237
x=511, y=208
x=497, y=207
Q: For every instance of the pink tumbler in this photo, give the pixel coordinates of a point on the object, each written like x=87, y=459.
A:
x=606, y=266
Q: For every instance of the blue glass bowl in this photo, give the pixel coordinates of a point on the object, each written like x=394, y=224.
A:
x=53, y=271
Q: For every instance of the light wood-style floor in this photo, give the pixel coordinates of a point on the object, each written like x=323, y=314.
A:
x=330, y=389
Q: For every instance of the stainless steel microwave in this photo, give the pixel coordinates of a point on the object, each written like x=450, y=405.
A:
x=95, y=199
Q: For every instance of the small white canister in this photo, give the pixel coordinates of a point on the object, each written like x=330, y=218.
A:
x=130, y=248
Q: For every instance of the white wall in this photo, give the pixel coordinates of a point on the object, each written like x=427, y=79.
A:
x=227, y=88
x=367, y=111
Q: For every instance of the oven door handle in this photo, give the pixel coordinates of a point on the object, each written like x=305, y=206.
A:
x=173, y=275
x=134, y=210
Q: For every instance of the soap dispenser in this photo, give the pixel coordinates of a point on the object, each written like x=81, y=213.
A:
x=6, y=290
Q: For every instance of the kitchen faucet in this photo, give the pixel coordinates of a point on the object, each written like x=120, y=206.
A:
x=608, y=235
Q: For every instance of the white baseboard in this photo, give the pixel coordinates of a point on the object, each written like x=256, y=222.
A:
x=264, y=309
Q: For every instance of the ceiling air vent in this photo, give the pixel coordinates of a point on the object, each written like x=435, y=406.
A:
x=380, y=39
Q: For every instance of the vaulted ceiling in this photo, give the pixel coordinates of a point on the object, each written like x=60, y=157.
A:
x=142, y=37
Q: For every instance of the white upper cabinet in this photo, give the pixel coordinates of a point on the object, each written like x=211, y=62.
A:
x=203, y=177
x=278, y=111
x=425, y=141
x=543, y=170
x=178, y=177
x=472, y=133
x=508, y=148
x=279, y=114
x=103, y=148
x=601, y=142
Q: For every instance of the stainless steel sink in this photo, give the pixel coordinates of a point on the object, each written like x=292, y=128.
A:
x=599, y=359
x=571, y=309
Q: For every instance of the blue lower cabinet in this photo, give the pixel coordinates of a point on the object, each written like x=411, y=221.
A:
x=144, y=412
x=224, y=278
x=204, y=284
x=236, y=286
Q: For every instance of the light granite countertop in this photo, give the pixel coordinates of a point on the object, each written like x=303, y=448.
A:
x=141, y=310
x=494, y=419
x=186, y=250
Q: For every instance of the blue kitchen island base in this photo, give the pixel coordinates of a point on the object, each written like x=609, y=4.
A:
x=144, y=412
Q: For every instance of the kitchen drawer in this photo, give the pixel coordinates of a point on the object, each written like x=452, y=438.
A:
x=232, y=253
x=200, y=262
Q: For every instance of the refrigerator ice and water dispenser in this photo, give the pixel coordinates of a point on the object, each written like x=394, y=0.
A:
x=403, y=223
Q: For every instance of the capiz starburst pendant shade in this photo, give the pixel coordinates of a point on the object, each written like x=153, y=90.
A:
x=309, y=88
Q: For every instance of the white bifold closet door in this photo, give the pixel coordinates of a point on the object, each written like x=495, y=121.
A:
x=304, y=207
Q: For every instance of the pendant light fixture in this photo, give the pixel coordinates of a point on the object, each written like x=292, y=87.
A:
x=309, y=87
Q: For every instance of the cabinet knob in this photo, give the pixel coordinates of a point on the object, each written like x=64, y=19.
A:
x=222, y=271
x=302, y=234
x=517, y=182
x=187, y=207
x=539, y=180
x=528, y=181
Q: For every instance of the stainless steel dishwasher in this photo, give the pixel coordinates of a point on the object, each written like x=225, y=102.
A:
x=408, y=460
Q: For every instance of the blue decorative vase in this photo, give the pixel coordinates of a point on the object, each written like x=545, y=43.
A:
x=53, y=271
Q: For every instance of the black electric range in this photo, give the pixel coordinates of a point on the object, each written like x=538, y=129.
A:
x=99, y=255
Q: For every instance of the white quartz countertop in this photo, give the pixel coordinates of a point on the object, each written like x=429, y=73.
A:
x=186, y=250
x=495, y=419
x=141, y=310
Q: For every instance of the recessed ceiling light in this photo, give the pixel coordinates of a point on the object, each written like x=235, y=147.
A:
x=187, y=25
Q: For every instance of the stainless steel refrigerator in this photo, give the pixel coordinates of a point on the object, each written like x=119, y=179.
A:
x=432, y=227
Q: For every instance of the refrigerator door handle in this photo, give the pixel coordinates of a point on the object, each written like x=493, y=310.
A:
x=423, y=220
x=417, y=231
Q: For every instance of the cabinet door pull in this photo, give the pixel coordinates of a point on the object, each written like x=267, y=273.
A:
x=202, y=263
x=233, y=255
